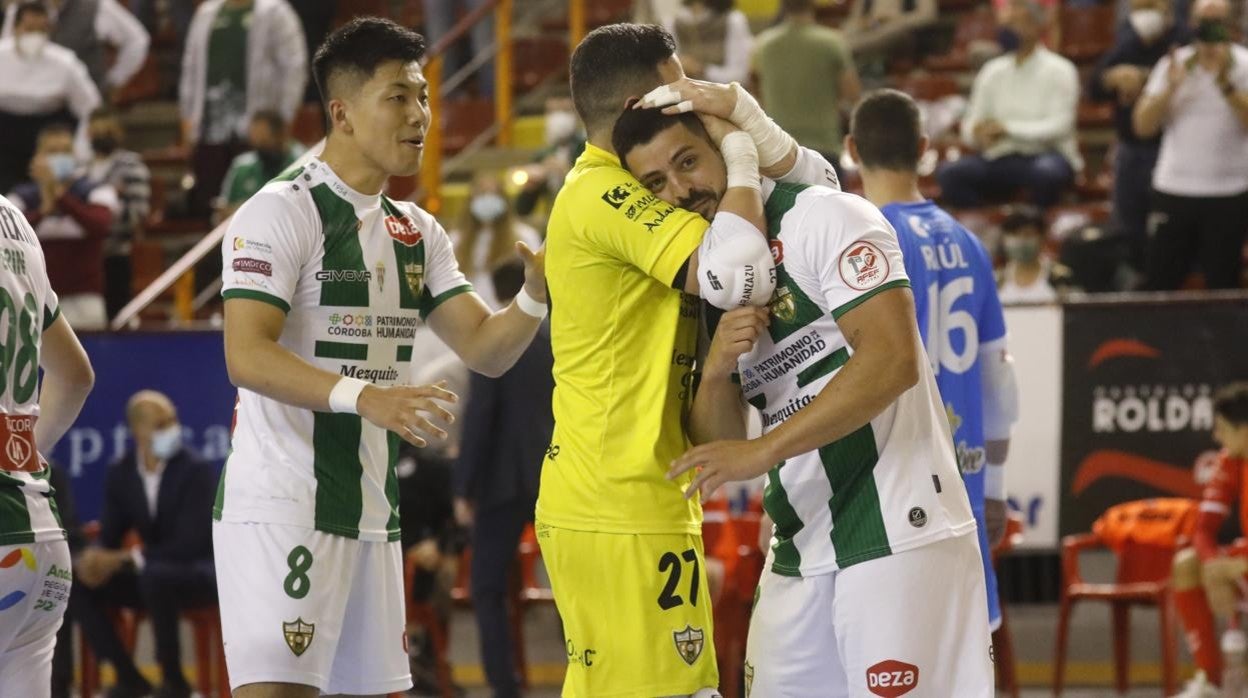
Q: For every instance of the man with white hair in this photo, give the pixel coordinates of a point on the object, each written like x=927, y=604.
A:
x=1021, y=118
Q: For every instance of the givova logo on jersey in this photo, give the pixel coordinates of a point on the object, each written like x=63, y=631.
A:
x=892, y=678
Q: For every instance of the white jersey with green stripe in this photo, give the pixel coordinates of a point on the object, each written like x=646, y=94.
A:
x=355, y=275
x=28, y=306
x=893, y=484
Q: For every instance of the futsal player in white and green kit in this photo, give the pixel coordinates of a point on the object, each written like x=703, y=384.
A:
x=325, y=281
x=873, y=583
x=35, y=572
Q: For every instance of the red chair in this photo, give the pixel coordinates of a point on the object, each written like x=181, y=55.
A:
x=733, y=539
x=978, y=25
x=426, y=616
x=1087, y=32
x=1144, y=536
x=1002, y=639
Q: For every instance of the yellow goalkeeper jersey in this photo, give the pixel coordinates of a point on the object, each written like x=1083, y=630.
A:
x=624, y=341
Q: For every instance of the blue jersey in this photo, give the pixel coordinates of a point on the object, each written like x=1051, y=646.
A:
x=955, y=299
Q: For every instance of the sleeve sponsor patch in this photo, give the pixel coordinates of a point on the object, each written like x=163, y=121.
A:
x=250, y=265
x=617, y=195
x=863, y=266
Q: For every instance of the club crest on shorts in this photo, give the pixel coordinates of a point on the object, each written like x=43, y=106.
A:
x=749, y=679
x=298, y=635
x=689, y=643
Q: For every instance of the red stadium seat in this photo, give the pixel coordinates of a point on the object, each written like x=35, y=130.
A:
x=929, y=87
x=462, y=120
x=1087, y=32
x=978, y=25
x=308, y=125
x=1144, y=537
x=537, y=58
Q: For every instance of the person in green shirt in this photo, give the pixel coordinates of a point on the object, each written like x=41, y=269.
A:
x=806, y=75
x=272, y=151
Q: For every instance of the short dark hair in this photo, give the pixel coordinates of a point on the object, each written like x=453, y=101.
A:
x=639, y=126
x=271, y=118
x=1231, y=403
x=1022, y=216
x=30, y=7
x=361, y=45
x=887, y=128
x=613, y=63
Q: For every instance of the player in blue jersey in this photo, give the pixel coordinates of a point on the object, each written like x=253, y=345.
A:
x=955, y=298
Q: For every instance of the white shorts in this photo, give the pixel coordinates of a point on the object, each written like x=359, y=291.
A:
x=912, y=624
x=34, y=588
x=305, y=607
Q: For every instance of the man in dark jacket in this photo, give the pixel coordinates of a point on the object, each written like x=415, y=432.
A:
x=162, y=492
x=507, y=428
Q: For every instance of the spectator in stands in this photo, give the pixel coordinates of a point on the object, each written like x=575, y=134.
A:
x=661, y=12
x=487, y=235
x=1050, y=34
x=440, y=18
x=507, y=427
x=1021, y=118
x=73, y=216
x=1120, y=77
x=126, y=173
x=1197, y=99
x=164, y=493
x=87, y=27
x=806, y=76
x=879, y=27
x=227, y=78
x=713, y=41
x=565, y=141
x=272, y=150
x=1025, y=276
x=40, y=84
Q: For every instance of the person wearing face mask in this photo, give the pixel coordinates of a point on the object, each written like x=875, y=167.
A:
x=1021, y=118
x=125, y=171
x=565, y=141
x=1119, y=78
x=40, y=84
x=1196, y=99
x=1025, y=277
x=73, y=216
x=163, y=492
x=272, y=150
x=487, y=235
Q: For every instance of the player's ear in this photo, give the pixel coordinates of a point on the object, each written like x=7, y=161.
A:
x=338, y=117
x=852, y=148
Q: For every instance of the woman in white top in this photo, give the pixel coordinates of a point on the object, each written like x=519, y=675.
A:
x=1025, y=277
x=487, y=234
x=713, y=40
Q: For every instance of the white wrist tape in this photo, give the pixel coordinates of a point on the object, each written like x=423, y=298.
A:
x=1000, y=390
x=345, y=394
x=529, y=305
x=771, y=140
x=741, y=160
x=994, y=481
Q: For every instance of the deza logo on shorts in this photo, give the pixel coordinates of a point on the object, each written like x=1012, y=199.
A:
x=891, y=678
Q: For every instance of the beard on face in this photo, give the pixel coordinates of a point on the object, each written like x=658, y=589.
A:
x=698, y=199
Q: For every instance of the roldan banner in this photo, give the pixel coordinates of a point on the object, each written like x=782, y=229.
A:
x=189, y=367
x=1138, y=381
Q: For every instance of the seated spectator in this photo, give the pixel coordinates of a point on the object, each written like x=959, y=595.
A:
x=1050, y=33
x=272, y=151
x=87, y=28
x=164, y=493
x=73, y=216
x=806, y=76
x=713, y=41
x=1197, y=100
x=1021, y=118
x=1025, y=276
x=40, y=84
x=487, y=235
x=1120, y=77
x=564, y=143
x=507, y=428
x=126, y=173
x=227, y=78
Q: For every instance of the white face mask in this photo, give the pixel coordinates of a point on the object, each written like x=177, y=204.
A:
x=1148, y=24
x=487, y=208
x=30, y=45
x=167, y=441
x=560, y=126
